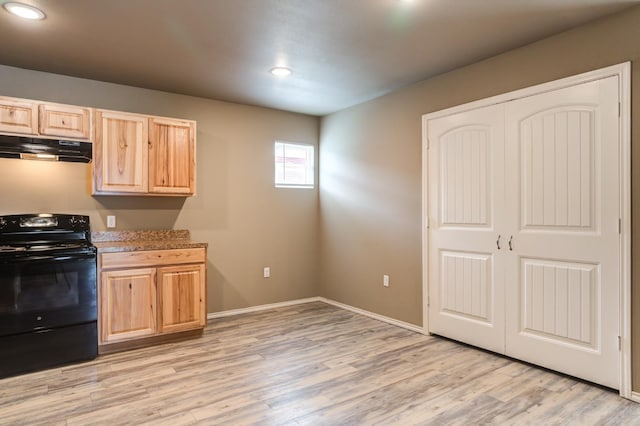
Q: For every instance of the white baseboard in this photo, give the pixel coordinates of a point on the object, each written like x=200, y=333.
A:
x=369, y=314
x=258, y=308
x=635, y=396
x=373, y=315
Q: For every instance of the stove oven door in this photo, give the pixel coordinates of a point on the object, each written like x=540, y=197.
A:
x=46, y=291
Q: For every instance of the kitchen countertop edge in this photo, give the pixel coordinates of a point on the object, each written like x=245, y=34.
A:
x=141, y=240
x=124, y=246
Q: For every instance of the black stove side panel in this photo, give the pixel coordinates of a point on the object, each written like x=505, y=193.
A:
x=22, y=353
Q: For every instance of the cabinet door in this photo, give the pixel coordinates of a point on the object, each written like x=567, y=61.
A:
x=18, y=116
x=172, y=156
x=120, y=153
x=127, y=304
x=65, y=121
x=181, y=298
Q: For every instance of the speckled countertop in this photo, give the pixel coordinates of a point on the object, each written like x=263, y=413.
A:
x=165, y=239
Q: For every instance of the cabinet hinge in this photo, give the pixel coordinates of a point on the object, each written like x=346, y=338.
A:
x=428, y=300
x=619, y=109
x=619, y=225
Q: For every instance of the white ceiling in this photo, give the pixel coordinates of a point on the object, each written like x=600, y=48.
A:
x=342, y=52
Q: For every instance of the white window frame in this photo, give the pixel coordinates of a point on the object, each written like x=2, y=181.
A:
x=310, y=166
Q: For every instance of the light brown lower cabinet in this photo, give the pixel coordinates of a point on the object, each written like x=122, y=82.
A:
x=180, y=298
x=128, y=304
x=151, y=293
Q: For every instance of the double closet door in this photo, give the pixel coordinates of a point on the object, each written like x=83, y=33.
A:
x=523, y=240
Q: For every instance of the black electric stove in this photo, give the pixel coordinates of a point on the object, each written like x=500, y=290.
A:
x=48, y=306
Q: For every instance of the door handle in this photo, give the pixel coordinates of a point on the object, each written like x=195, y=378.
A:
x=510, y=246
x=498, y=242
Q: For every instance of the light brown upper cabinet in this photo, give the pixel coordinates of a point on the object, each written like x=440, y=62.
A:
x=120, y=151
x=18, y=116
x=172, y=162
x=143, y=155
x=64, y=121
x=33, y=118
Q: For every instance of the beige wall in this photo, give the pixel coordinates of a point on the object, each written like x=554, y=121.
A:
x=370, y=166
x=367, y=222
x=246, y=221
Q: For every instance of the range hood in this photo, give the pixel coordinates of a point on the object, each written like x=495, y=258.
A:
x=44, y=149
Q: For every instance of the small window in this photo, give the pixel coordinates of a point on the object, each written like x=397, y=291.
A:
x=294, y=165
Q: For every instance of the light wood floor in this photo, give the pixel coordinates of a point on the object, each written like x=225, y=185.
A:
x=307, y=364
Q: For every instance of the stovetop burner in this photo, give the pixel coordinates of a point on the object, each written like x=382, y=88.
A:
x=44, y=234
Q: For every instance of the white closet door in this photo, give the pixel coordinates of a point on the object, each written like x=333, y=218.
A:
x=562, y=278
x=466, y=201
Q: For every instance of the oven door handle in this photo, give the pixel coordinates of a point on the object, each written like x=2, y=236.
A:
x=52, y=258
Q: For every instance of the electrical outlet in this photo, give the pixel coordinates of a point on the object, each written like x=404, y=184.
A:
x=385, y=280
x=266, y=272
x=111, y=221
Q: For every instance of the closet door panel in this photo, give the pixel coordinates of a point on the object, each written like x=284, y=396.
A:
x=557, y=156
x=464, y=161
x=466, y=199
x=562, y=276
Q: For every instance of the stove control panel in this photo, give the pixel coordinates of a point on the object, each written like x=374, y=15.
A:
x=44, y=222
x=39, y=222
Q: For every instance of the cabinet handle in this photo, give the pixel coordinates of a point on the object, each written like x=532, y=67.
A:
x=498, y=242
x=510, y=239
x=129, y=286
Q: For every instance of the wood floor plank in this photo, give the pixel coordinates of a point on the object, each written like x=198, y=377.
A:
x=307, y=364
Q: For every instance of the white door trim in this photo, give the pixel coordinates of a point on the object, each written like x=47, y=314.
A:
x=623, y=71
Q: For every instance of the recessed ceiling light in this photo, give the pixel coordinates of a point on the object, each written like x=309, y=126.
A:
x=280, y=71
x=24, y=11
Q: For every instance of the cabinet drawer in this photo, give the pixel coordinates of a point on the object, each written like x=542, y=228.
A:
x=65, y=121
x=18, y=116
x=152, y=258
